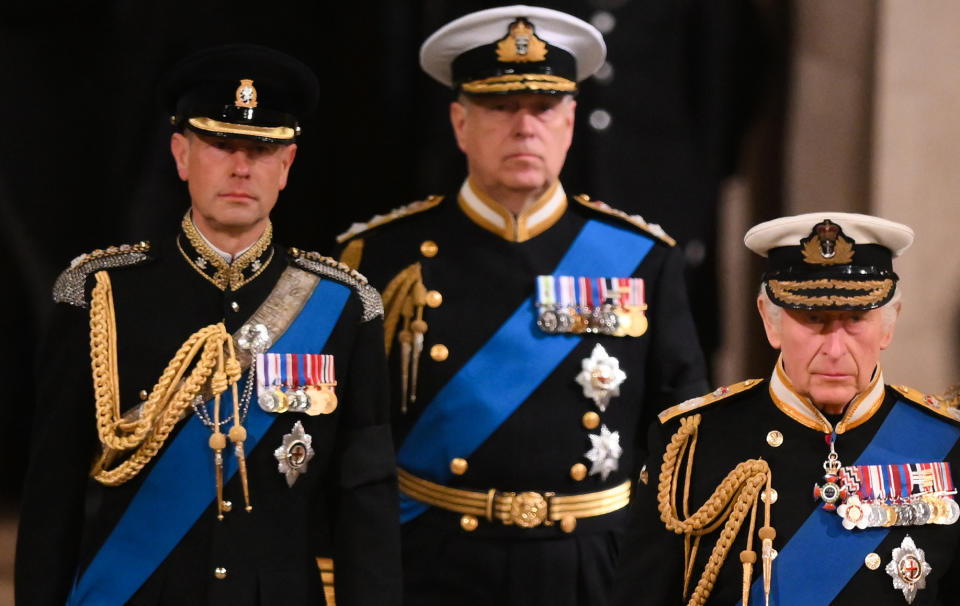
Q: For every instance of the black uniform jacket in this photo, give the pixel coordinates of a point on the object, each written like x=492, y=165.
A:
x=484, y=272
x=737, y=427
x=266, y=556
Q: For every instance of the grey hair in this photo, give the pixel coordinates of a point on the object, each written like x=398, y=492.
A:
x=889, y=309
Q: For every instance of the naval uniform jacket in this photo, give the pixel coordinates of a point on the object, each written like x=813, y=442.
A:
x=266, y=556
x=484, y=263
x=735, y=428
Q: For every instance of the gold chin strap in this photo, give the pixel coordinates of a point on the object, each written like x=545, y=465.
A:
x=405, y=297
x=728, y=505
x=168, y=400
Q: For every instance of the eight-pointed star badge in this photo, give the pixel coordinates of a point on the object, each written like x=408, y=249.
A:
x=909, y=569
x=605, y=452
x=293, y=456
x=600, y=377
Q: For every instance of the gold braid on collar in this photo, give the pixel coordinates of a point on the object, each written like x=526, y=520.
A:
x=218, y=272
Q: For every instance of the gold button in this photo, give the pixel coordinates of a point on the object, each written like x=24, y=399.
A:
x=143, y=394
x=644, y=474
x=439, y=352
x=458, y=466
x=568, y=523
x=227, y=505
x=434, y=298
x=469, y=523
x=578, y=472
x=220, y=572
x=774, y=438
x=872, y=561
x=591, y=420
x=429, y=248
x=773, y=496
x=235, y=306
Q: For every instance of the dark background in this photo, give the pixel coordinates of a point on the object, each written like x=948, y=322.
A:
x=85, y=163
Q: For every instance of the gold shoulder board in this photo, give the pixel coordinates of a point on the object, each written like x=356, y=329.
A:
x=71, y=283
x=397, y=213
x=929, y=401
x=714, y=396
x=651, y=228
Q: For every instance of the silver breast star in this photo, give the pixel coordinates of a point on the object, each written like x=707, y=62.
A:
x=601, y=377
x=909, y=569
x=605, y=452
x=294, y=454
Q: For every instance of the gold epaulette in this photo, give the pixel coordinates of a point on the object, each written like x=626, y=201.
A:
x=929, y=401
x=714, y=396
x=651, y=228
x=328, y=267
x=71, y=283
x=397, y=213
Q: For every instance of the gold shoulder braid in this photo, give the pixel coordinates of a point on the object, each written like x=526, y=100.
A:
x=397, y=213
x=167, y=401
x=727, y=505
x=651, y=228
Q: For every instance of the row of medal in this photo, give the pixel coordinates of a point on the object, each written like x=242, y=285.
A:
x=609, y=306
x=288, y=382
x=911, y=494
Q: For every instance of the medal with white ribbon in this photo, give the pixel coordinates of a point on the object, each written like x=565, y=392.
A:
x=906, y=494
x=567, y=310
x=270, y=393
x=320, y=381
x=547, y=305
x=607, y=320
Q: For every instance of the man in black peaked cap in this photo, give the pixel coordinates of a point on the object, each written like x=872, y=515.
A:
x=215, y=402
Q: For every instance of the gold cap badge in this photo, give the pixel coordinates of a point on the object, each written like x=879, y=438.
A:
x=827, y=245
x=521, y=45
x=246, y=95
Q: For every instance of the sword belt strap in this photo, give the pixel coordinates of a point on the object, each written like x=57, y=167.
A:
x=525, y=509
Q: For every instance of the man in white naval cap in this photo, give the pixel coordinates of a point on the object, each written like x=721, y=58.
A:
x=532, y=336
x=736, y=466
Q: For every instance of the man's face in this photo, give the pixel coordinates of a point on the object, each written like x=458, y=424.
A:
x=515, y=142
x=829, y=356
x=234, y=183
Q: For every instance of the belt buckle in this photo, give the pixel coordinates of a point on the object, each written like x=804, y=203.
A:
x=528, y=509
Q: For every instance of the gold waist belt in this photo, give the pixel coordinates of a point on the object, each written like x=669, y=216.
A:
x=524, y=509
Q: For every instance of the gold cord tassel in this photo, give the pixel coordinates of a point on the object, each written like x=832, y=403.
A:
x=419, y=328
x=166, y=404
x=727, y=506
x=405, y=336
x=238, y=433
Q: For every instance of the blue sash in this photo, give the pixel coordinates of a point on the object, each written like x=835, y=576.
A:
x=509, y=367
x=826, y=553
x=182, y=485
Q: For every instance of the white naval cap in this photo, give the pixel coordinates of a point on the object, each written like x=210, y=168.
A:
x=829, y=260
x=513, y=49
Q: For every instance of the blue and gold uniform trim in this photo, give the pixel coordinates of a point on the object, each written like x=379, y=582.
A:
x=636, y=220
x=929, y=401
